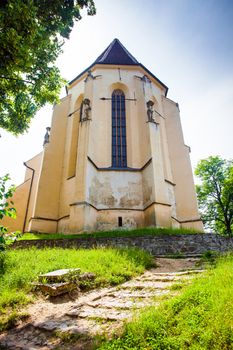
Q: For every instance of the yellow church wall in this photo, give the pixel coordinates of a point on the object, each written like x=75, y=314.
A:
x=46, y=210
x=73, y=133
x=34, y=163
x=157, y=162
x=186, y=203
x=74, y=94
x=71, y=138
x=77, y=222
x=107, y=79
x=149, y=216
x=67, y=187
x=153, y=93
x=63, y=225
x=144, y=151
x=66, y=197
x=148, y=186
x=24, y=197
x=99, y=127
x=118, y=75
x=81, y=166
x=20, y=199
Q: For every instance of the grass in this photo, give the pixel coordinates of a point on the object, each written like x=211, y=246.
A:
x=200, y=318
x=18, y=268
x=151, y=231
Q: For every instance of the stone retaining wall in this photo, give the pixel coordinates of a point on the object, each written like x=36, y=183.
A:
x=187, y=245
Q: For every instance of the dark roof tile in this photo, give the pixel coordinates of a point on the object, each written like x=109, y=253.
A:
x=116, y=53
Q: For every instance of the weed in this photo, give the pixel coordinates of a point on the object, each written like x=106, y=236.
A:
x=67, y=337
x=10, y=321
x=209, y=256
x=177, y=286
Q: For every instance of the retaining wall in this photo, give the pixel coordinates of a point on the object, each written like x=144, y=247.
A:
x=187, y=245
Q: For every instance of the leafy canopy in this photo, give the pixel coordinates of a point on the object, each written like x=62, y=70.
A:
x=215, y=194
x=32, y=33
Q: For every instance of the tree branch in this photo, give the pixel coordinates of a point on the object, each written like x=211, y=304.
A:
x=25, y=81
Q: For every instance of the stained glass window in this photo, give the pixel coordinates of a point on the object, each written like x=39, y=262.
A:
x=119, y=152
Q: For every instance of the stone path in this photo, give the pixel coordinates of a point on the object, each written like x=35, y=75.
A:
x=54, y=323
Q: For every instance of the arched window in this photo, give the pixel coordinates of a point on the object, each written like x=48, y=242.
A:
x=119, y=152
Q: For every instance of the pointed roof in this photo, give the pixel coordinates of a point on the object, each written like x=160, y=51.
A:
x=117, y=54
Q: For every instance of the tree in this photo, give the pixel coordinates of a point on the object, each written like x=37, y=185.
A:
x=6, y=205
x=215, y=194
x=32, y=33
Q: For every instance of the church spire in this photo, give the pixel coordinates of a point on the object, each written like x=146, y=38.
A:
x=116, y=53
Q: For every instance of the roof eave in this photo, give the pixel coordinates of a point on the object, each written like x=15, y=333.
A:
x=110, y=64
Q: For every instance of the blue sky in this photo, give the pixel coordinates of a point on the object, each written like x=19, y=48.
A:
x=187, y=44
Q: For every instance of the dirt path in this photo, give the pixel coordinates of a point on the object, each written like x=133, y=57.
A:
x=65, y=323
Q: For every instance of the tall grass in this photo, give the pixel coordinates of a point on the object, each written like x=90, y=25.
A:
x=201, y=318
x=150, y=231
x=21, y=267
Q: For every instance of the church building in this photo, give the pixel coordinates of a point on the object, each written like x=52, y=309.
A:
x=113, y=157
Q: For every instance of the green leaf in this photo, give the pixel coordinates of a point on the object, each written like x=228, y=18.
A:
x=30, y=41
x=215, y=194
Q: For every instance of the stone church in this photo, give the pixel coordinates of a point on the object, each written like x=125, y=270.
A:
x=113, y=157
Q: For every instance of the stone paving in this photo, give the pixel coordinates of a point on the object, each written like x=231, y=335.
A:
x=90, y=314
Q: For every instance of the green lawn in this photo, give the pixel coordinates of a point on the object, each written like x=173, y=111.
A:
x=18, y=268
x=201, y=318
x=152, y=231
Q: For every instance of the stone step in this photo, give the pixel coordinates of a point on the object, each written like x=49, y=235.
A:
x=161, y=278
x=116, y=304
x=99, y=313
x=146, y=285
x=121, y=294
x=62, y=325
x=179, y=273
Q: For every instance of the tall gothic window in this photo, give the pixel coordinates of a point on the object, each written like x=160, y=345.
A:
x=119, y=152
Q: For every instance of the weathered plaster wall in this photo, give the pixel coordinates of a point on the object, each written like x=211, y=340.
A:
x=108, y=219
x=148, y=186
x=114, y=189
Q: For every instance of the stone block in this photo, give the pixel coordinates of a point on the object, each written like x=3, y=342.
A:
x=55, y=289
x=60, y=275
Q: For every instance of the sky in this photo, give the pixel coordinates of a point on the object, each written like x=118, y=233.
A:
x=187, y=44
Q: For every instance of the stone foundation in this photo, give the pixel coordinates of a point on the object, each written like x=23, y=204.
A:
x=186, y=245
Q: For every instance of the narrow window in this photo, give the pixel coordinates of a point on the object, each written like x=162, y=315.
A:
x=120, y=222
x=119, y=152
